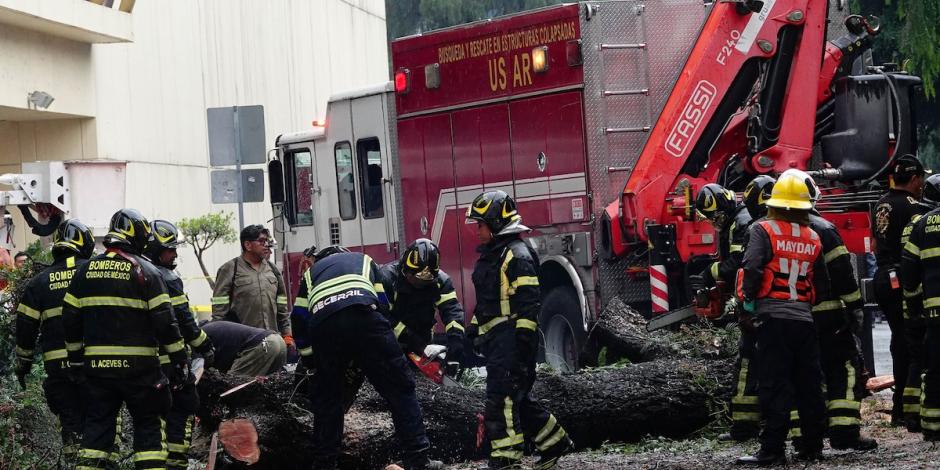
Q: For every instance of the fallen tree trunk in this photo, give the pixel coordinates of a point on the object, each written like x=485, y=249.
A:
x=671, y=398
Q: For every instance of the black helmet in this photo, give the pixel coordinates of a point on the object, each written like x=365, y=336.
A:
x=72, y=237
x=932, y=190
x=498, y=211
x=129, y=228
x=165, y=237
x=422, y=259
x=329, y=251
x=716, y=203
x=756, y=194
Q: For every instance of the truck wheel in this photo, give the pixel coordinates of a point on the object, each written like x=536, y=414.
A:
x=562, y=329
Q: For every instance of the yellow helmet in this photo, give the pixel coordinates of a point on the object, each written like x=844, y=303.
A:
x=794, y=189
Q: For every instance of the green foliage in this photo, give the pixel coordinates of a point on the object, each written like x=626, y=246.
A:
x=204, y=231
x=39, y=253
x=407, y=17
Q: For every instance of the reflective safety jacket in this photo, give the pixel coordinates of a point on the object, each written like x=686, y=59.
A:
x=185, y=320
x=39, y=314
x=731, y=243
x=413, y=308
x=894, y=211
x=334, y=283
x=844, y=293
x=117, y=314
x=920, y=266
x=507, y=285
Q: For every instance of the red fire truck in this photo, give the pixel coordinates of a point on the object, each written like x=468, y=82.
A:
x=602, y=119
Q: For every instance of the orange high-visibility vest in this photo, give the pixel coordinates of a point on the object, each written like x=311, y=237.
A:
x=789, y=274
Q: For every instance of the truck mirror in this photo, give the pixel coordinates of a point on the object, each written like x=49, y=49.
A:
x=276, y=181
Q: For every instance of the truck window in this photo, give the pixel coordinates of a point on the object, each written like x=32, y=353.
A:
x=370, y=177
x=345, y=184
x=299, y=190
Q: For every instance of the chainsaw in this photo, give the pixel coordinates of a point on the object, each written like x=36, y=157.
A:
x=432, y=365
x=708, y=304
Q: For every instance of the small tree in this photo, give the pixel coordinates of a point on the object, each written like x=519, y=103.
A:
x=202, y=232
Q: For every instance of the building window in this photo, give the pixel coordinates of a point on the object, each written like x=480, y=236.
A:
x=369, y=155
x=300, y=191
x=345, y=182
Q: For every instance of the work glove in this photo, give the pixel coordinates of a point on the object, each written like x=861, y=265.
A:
x=207, y=351
x=411, y=342
x=22, y=369
x=179, y=375
x=473, y=331
x=731, y=307
x=76, y=372
x=291, y=345
x=454, y=350
x=857, y=321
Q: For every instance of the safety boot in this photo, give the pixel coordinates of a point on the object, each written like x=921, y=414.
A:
x=549, y=458
x=862, y=442
x=500, y=464
x=764, y=458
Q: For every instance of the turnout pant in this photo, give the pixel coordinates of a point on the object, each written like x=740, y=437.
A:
x=915, y=331
x=844, y=376
x=146, y=404
x=930, y=409
x=365, y=337
x=745, y=409
x=510, y=412
x=790, y=374
x=890, y=301
x=179, y=426
x=66, y=400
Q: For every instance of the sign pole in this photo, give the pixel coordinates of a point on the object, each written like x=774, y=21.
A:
x=238, y=172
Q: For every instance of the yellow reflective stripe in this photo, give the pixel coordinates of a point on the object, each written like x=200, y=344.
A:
x=51, y=313
x=176, y=447
x=930, y=412
x=911, y=248
x=453, y=324
x=150, y=455
x=930, y=426
x=744, y=400
x=734, y=248
x=164, y=359
x=745, y=416
x=55, y=354
x=835, y=253
x=179, y=300
x=929, y=253
x=504, y=286
x=104, y=301
x=552, y=440
x=912, y=408
x=507, y=413
x=446, y=297
x=714, y=270
x=174, y=347
x=28, y=311
x=70, y=262
x=523, y=281
x=74, y=346
x=827, y=305
x=844, y=421
x=379, y=287
x=843, y=405
x=366, y=266
x=549, y=426
x=914, y=293
x=158, y=301
x=794, y=415
x=24, y=352
x=308, y=351
x=281, y=299
x=492, y=323
x=854, y=296
x=742, y=376
x=527, y=324
x=349, y=285
x=932, y=302
x=911, y=392
x=221, y=300
x=301, y=302
x=71, y=300
x=510, y=454
x=120, y=351
x=399, y=327
x=348, y=278
x=510, y=441
x=199, y=339
x=92, y=454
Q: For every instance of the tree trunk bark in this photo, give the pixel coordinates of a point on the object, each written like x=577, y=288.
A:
x=202, y=265
x=669, y=398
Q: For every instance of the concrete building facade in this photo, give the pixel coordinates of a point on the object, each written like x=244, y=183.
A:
x=131, y=89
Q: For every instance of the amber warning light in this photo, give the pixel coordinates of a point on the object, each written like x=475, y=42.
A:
x=319, y=123
x=402, y=82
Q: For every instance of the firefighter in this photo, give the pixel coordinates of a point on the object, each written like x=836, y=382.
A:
x=347, y=324
x=892, y=213
x=756, y=194
x=920, y=274
x=731, y=221
x=415, y=287
x=39, y=314
x=783, y=271
x=116, y=314
x=508, y=304
x=161, y=251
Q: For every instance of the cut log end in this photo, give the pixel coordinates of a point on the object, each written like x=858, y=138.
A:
x=240, y=440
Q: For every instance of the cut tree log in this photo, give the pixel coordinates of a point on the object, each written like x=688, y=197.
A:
x=670, y=398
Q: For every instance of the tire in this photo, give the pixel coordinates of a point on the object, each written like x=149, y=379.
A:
x=562, y=329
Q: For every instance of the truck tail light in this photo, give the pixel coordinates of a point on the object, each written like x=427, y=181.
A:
x=402, y=82
x=319, y=123
x=540, y=59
